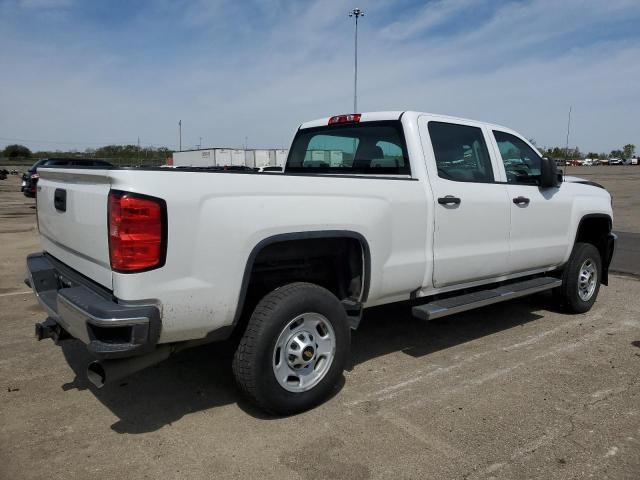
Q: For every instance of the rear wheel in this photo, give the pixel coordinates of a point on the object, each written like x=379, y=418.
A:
x=580, y=279
x=294, y=349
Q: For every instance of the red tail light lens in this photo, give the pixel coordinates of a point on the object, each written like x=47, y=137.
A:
x=350, y=118
x=137, y=227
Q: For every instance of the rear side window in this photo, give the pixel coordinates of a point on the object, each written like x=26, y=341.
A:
x=461, y=152
x=368, y=147
x=521, y=162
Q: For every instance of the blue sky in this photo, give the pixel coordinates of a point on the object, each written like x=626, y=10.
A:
x=82, y=73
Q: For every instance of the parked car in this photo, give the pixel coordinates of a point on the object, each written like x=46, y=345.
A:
x=30, y=177
x=270, y=169
x=616, y=161
x=141, y=263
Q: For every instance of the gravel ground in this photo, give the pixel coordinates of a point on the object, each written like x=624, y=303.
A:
x=511, y=391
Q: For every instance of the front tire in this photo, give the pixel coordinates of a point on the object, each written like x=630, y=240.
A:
x=294, y=349
x=580, y=279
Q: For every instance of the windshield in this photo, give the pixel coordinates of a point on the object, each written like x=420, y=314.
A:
x=368, y=147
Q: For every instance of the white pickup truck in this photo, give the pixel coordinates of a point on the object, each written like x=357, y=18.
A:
x=373, y=208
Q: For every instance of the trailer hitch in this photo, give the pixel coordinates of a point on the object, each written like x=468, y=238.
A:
x=51, y=329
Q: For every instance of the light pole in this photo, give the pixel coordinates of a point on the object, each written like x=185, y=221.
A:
x=356, y=13
x=566, y=149
x=180, y=133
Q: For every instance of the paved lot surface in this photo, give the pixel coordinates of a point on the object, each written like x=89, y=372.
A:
x=623, y=182
x=511, y=391
x=626, y=258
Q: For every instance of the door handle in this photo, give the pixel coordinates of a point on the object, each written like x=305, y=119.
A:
x=521, y=201
x=60, y=199
x=449, y=200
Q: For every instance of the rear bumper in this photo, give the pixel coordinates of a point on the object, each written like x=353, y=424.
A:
x=109, y=328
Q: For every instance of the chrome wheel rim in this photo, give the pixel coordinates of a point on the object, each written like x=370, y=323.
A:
x=587, y=280
x=304, y=352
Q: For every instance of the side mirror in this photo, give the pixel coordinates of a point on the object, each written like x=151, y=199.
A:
x=549, y=177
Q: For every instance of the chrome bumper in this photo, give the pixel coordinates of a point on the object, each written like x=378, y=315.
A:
x=89, y=313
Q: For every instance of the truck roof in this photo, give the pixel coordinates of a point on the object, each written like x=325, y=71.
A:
x=395, y=115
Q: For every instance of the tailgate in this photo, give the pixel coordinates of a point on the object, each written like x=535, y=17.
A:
x=72, y=218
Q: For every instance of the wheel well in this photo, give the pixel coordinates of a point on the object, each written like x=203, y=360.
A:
x=338, y=264
x=594, y=229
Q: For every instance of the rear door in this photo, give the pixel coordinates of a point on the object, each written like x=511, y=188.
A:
x=471, y=231
x=72, y=218
x=540, y=218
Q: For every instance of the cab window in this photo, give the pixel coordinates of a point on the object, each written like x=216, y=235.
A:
x=362, y=148
x=461, y=153
x=521, y=162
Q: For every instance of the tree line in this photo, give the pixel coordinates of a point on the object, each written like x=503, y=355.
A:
x=129, y=154
x=627, y=152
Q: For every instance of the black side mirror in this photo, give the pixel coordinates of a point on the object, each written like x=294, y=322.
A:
x=549, y=177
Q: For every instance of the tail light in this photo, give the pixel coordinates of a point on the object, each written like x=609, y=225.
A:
x=350, y=118
x=137, y=232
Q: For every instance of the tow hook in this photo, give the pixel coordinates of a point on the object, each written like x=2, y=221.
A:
x=50, y=329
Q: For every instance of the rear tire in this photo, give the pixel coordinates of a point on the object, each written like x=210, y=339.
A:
x=580, y=279
x=294, y=349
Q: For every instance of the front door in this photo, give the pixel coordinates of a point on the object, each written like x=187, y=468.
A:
x=471, y=231
x=540, y=218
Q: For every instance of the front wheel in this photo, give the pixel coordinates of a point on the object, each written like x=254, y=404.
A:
x=294, y=349
x=580, y=279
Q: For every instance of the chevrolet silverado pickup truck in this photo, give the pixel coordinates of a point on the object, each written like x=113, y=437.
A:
x=445, y=213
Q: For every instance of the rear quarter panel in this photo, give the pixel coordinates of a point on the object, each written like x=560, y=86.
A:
x=216, y=219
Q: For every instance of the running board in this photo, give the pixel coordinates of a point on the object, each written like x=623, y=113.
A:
x=469, y=301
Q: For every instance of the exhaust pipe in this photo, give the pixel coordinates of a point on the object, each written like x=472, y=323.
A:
x=100, y=373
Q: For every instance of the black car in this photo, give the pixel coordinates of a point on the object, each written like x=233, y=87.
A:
x=30, y=178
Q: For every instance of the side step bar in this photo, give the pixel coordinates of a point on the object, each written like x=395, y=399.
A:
x=469, y=301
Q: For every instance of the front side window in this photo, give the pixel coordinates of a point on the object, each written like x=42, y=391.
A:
x=461, y=152
x=521, y=162
x=368, y=147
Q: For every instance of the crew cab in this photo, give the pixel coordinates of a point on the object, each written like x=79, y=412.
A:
x=445, y=213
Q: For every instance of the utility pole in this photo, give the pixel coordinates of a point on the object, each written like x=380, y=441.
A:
x=200, y=144
x=138, y=151
x=356, y=13
x=180, y=133
x=566, y=149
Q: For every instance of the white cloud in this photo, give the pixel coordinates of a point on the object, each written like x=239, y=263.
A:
x=260, y=76
x=430, y=15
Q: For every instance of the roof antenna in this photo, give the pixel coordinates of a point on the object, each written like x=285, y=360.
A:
x=566, y=149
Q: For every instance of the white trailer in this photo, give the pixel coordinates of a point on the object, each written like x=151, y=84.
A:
x=319, y=156
x=223, y=157
x=249, y=158
x=264, y=158
x=238, y=158
x=194, y=158
x=335, y=158
x=281, y=157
